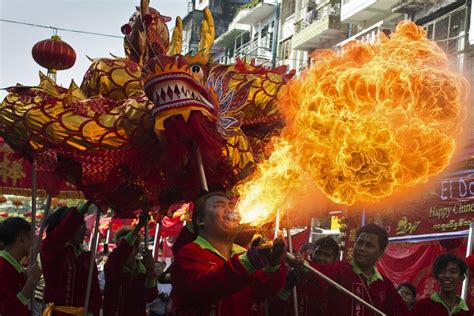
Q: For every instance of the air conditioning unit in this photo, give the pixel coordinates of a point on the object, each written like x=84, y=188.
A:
x=406, y=6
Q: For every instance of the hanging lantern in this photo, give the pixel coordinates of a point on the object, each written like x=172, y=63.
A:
x=54, y=54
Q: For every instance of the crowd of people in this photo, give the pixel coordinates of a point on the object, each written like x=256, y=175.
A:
x=214, y=272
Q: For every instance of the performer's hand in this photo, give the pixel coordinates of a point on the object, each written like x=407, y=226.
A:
x=270, y=253
x=257, y=240
x=292, y=279
x=34, y=273
x=296, y=261
x=143, y=218
x=278, y=251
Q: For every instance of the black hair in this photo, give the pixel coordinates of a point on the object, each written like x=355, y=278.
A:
x=11, y=228
x=329, y=243
x=442, y=262
x=409, y=286
x=375, y=230
x=54, y=219
x=200, y=206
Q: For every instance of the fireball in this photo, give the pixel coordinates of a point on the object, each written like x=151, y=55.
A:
x=361, y=123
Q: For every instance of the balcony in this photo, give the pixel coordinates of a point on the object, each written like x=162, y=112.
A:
x=228, y=38
x=357, y=11
x=252, y=50
x=370, y=34
x=319, y=28
x=257, y=13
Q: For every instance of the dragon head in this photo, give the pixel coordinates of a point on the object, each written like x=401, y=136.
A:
x=176, y=84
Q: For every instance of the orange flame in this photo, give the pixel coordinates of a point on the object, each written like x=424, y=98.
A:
x=361, y=123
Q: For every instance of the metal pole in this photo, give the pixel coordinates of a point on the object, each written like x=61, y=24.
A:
x=145, y=240
x=36, y=245
x=33, y=195
x=155, y=240
x=277, y=224
x=33, y=224
x=295, y=296
x=92, y=262
x=202, y=174
x=309, y=268
x=468, y=253
x=276, y=27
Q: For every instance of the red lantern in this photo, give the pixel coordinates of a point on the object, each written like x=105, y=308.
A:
x=54, y=54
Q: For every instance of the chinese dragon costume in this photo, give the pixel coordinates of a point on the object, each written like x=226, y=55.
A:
x=127, y=137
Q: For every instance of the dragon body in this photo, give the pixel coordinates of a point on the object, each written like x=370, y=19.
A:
x=127, y=137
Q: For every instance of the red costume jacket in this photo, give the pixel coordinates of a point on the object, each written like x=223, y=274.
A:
x=12, y=280
x=377, y=290
x=434, y=306
x=311, y=301
x=204, y=283
x=65, y=269
x=126, y=292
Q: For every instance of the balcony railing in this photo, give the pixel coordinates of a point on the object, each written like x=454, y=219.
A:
x=327, y=10
x=253, y=50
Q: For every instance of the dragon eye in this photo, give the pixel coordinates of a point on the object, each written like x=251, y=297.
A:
x=197, y=72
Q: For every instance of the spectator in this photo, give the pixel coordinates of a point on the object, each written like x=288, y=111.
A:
x=449, y=271
x=66, y=264
x=16, y=285
x=408, y=293
x=214, y=276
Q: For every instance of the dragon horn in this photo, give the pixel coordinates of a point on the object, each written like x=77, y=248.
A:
x=144, y=7
x=177, y=38
x=207, y=32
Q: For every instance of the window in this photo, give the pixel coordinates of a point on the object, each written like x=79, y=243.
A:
x=285, y=49
x=287, y=8
x=449, y=32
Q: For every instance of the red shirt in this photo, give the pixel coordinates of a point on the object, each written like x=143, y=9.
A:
x=378, y=290
x=126, y=292
x=311, y=302
x=65, y=269
x=12, y=280
x=434, y=306
x=205, y=283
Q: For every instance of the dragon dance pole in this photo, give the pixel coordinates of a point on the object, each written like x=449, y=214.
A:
x=91, y=263
x=309, y=268
x=33, y=220
x=290, y=248
x=36, y=245
x=145, y=240
x=155, y=246
x=202, y=174
x=465, y=284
